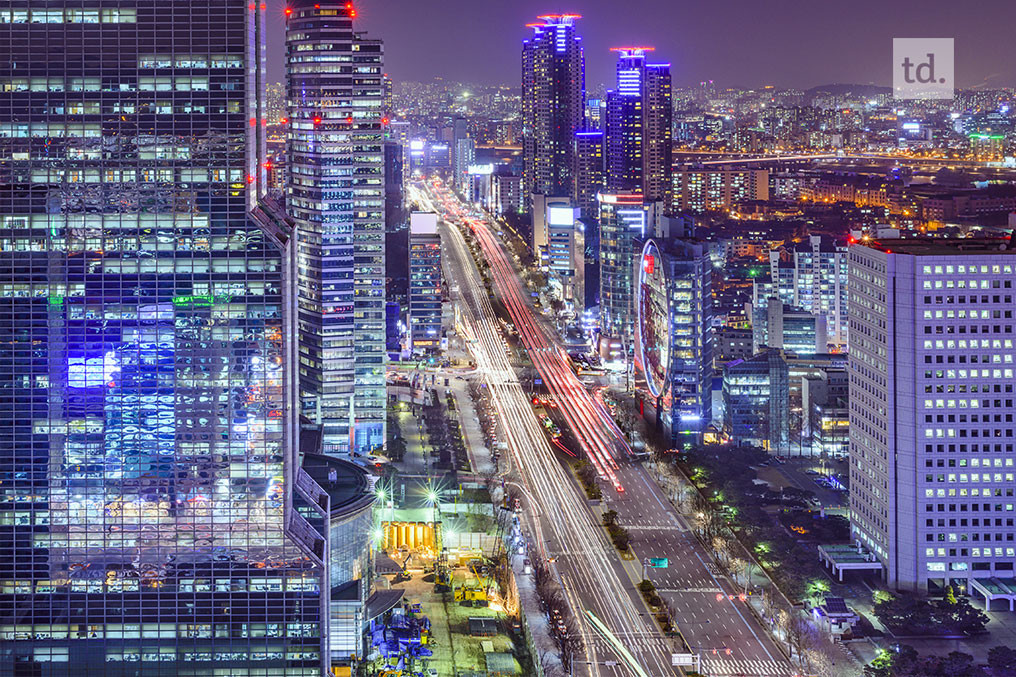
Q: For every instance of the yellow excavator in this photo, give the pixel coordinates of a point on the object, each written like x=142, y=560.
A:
x=477, y=591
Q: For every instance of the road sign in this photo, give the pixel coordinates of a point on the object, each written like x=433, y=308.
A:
x=682, y=659
x=658, y=562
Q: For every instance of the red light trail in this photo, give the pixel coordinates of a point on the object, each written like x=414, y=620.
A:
x=597, y=433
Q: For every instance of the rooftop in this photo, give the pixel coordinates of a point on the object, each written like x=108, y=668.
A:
x=346, y=483
x=944, y=246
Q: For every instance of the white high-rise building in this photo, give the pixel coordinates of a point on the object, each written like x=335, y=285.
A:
x=814, y=279
x=931, y=409
x=335, y=195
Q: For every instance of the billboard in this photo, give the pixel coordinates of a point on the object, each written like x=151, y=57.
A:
x=560, y=215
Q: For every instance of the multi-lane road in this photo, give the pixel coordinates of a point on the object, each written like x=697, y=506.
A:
x=565, y=528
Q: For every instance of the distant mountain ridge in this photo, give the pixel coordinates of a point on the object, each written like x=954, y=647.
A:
x=843, y=88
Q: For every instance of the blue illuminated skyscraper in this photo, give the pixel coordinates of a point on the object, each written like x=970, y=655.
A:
x=336, y=198
x=553, y=105
x=639, y=136
x=148, y=457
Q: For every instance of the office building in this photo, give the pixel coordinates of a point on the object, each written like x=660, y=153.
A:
x=590, y=172
x=155, y=517
x=424, y=283
x=559, y=246
x=336, y=197
x=826, y=419
x=731, y=343
x=596, y=115
x=931, y=409
x=777, y=325
x=553, y=105
x=626, y=220
x=987, y=147
x=705, y=189
x=639, y=119
x=756, y=402
x=674, y=347
x=506, y=193
x=465, y=157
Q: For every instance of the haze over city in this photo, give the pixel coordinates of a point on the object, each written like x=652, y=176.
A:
x=447, y=339
x=739, y=43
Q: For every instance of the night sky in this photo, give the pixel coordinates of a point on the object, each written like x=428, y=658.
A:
x=749, y=43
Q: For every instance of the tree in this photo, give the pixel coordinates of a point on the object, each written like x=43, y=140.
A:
x=907, y=614
x=1002, y=661
x=958, y=615
x=905, y=662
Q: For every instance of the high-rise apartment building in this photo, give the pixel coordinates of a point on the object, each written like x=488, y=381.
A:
x=336, y=198
x=639, y=149
x=553, y=105
x=153, y=508
x=701, y=189
x=590, y=171
x=931, y=367
x=812, y=276
x=424, y=283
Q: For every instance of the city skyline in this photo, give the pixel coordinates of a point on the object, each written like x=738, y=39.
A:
x=664, y=361
x=735, y=43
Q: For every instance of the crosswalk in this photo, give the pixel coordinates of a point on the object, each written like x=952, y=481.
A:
x=725, y=667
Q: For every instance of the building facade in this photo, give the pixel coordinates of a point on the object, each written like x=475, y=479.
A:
x=931, y=409
x=673, y=343
x=639, y=148
x=148, y=466
x=625, y=221
x=336, y=197
x=424, y=283
x=812, y=276
x=590, y=171
x=553, y=104
x=756, y=402
x=704, y=189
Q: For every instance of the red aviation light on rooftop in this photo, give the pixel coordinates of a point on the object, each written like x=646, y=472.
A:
x=553, y=17
x=288, y=11
x=633, y=49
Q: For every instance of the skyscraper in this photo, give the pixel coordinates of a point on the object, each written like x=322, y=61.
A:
x=931, y=409
x=149, y=434
x=625, y=221
x=639, y=137
x=336, y=197
x=553, y=104
x=424, y=283
x=590, y=176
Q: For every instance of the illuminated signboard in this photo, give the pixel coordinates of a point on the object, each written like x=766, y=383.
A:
x=558, y=215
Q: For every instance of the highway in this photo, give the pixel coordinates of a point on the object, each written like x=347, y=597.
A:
x=721, y=629
x=562, y=524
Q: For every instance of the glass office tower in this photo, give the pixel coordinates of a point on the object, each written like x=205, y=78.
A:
x=150, y=522
x=336, y=198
